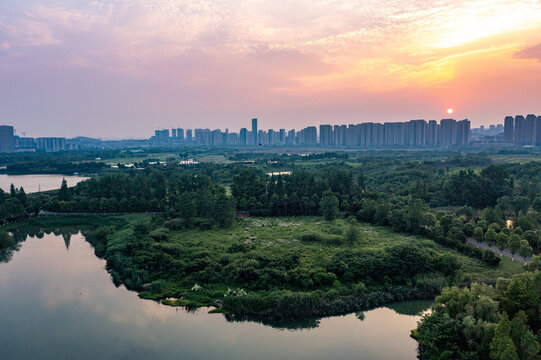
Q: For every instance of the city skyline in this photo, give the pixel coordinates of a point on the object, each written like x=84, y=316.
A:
x=98, y=68
x=515, y=131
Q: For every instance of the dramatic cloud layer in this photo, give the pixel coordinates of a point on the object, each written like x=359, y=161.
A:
x=122, y=68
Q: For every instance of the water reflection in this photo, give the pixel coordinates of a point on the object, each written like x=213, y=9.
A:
x=57, y=304
x=37, y=182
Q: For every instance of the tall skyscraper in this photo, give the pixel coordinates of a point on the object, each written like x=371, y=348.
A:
x=254, y=131
x=538, y=131
x=520, y=127
x=529, y=130
x=432, y=136
x=180, y=134
x=309, y=135
x=462, y=133
x=271, y=137
x=325, y=135
x=242, y=136
x=174, y=133
x=189, y=136
x=417, y=133
x=509, y=125
x=448, y=132
x=7, y=139
x=290, y=139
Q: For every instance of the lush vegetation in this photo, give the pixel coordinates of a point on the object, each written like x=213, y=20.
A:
x=279, y=267
x=485, y=322
x=342, y=232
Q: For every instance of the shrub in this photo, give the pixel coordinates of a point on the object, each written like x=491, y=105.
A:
x=159, y=234
x=431, y=283
x=312, y=237
x=174, y=224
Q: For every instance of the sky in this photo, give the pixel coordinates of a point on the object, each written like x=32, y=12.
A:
x=123, y=68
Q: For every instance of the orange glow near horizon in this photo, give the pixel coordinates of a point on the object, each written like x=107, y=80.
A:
x=166, y=63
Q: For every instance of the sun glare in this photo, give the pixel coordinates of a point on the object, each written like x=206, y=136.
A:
x=449, y=111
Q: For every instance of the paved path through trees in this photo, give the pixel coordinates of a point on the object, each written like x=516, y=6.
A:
x=495, y=249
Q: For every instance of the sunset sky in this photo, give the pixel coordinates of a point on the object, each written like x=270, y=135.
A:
x=124, y=68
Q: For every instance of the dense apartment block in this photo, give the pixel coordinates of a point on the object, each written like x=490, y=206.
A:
x=414, y=133
x=523, y=131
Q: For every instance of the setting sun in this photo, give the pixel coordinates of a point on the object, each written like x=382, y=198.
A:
x=449, y=111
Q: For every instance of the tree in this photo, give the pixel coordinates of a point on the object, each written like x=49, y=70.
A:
x=532, y=238
x=224, y=210
x=502, y=346
x=352, y=233
x=478, y=234
x=502, y=240
x=63, y=193
x=537, y=204
x=21, y=195
x=491, y=236
x=514, y=243
x=186, y=208
x=520, y=204
x=524, y=250
x=329, y=206
x=523, y=338
x=469, y=228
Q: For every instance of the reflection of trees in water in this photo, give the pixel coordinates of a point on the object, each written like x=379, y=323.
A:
x=8, y=245
x=12, y=244
x=411, y=308
x=67, y=238
x=278, y=323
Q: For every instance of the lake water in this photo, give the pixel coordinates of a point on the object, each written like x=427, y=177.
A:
x=58, y=302
x=38, y=182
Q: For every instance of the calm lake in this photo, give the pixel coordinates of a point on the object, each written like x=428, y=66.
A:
x=38, y=182
x=58, y=302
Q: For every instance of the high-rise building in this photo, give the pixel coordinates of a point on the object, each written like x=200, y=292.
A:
x=529, y=129
x=538, y=131
x=189, y=136
x=308, y=136
x=180, y=134
x=448, y=132
x=254, y=132
x=432, y=133
x=174, y=133
x=162, y=134
x=270, y=137
x=282, y=136
x=242, y=137
x=509, y=124
x=7, y=139
x=291, y=136
x=325, y=135
x=216, y=137
x=51, y=144
x=417, y=130
x=462, y=133
x=520, y=127
x=25, y=144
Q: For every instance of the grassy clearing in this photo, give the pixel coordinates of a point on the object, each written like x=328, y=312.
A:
x=514, y=158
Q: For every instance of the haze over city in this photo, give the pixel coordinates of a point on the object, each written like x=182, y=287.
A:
x=124, y=68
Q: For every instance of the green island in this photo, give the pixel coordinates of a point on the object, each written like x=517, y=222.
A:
x=280, y=236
